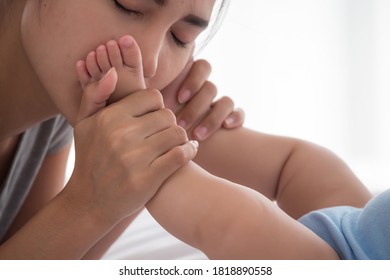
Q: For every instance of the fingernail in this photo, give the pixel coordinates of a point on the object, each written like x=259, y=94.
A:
x=201, y=132
x=101, y=48
x=194, y=144
x=80, y=63
x=107, y=74
x=229, y=121
x=127, y=41
x=111, y=43
x=184, y=96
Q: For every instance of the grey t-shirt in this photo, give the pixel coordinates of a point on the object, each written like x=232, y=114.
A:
x=35, y=144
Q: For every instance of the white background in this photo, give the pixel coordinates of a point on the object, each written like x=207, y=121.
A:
x=302, y=270
x=312, y=69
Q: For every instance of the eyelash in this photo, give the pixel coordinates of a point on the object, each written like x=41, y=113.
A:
x=122, y=9
x=178, y=42
x=126, y=11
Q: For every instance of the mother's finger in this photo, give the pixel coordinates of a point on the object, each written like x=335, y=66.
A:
x=198, y=106
x=139, y=103
x=194, y=81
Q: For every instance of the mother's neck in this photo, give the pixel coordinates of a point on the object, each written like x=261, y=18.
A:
x=23, y=100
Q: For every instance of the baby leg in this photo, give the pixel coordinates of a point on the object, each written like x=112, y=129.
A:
x=125, y=56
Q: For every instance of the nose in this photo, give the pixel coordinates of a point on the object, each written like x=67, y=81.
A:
x=151, y=44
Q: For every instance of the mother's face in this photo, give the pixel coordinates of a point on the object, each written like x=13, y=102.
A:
x=56, y=34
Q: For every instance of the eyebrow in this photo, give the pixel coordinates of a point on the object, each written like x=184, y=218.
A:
x=160, y=2
x=191, y=19
x=196, y=21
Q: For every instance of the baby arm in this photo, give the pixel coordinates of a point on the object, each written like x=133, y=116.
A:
x=229, y=221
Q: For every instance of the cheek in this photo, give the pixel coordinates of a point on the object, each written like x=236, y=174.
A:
x=64, y=33
x=43, y=52
x=171, y=64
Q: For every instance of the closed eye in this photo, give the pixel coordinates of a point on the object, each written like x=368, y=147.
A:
x=177, y=41
x=124, y=10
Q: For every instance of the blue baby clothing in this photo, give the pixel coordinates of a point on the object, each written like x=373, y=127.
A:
x=355, y=233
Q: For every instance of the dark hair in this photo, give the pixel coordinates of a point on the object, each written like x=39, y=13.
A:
x=5, y=5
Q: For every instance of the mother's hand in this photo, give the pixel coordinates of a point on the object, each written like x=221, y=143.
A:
x=124, y=153
x=191, y=96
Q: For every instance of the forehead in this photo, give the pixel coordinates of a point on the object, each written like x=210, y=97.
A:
x=200, y=7
x=203, y=7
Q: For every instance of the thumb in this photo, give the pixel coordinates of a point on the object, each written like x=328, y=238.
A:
x=96, y=95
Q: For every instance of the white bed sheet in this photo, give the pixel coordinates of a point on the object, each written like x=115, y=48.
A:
x=145, y=239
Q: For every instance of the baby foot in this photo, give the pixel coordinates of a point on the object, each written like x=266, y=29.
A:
x=96, y=95
x=125, y=56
